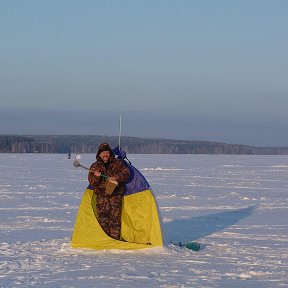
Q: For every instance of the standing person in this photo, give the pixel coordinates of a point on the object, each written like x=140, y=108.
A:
x=109, y=206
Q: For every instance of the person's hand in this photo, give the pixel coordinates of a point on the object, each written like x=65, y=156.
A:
x=97, y=173
x=112, y=179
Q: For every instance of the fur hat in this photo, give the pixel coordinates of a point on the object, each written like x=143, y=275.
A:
x=104, y=147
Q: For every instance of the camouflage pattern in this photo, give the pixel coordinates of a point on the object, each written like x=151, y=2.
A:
x=109, y=207
x=109, y=214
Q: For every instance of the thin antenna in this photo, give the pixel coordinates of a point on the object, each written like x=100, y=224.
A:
x=120, y=128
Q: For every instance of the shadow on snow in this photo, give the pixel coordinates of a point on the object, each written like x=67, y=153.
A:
x=186, y=230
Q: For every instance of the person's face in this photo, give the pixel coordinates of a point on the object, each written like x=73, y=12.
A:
x=105, y=155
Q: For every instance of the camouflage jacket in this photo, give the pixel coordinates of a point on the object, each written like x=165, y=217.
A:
x=115, y=169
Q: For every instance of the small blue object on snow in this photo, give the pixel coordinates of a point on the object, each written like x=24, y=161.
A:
x=195, y=246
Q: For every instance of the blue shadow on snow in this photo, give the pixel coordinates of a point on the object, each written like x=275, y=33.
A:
x=186, y=230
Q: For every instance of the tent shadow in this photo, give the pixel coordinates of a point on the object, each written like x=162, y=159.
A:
x=186, y=230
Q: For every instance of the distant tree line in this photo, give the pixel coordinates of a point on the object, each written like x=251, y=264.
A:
x=131, y=145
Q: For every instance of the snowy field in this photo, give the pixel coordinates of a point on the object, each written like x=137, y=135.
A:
x=235, y=206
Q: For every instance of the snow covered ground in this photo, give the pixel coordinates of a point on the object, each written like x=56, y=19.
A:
x=235, y=206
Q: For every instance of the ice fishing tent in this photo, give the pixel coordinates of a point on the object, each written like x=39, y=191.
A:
x=140, y=220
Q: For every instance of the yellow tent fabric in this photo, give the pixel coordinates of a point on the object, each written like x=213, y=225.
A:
x=140, y=224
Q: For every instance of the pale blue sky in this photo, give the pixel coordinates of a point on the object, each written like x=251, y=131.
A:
x=182, y=69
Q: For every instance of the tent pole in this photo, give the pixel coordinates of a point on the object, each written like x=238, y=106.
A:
x=120, y=128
